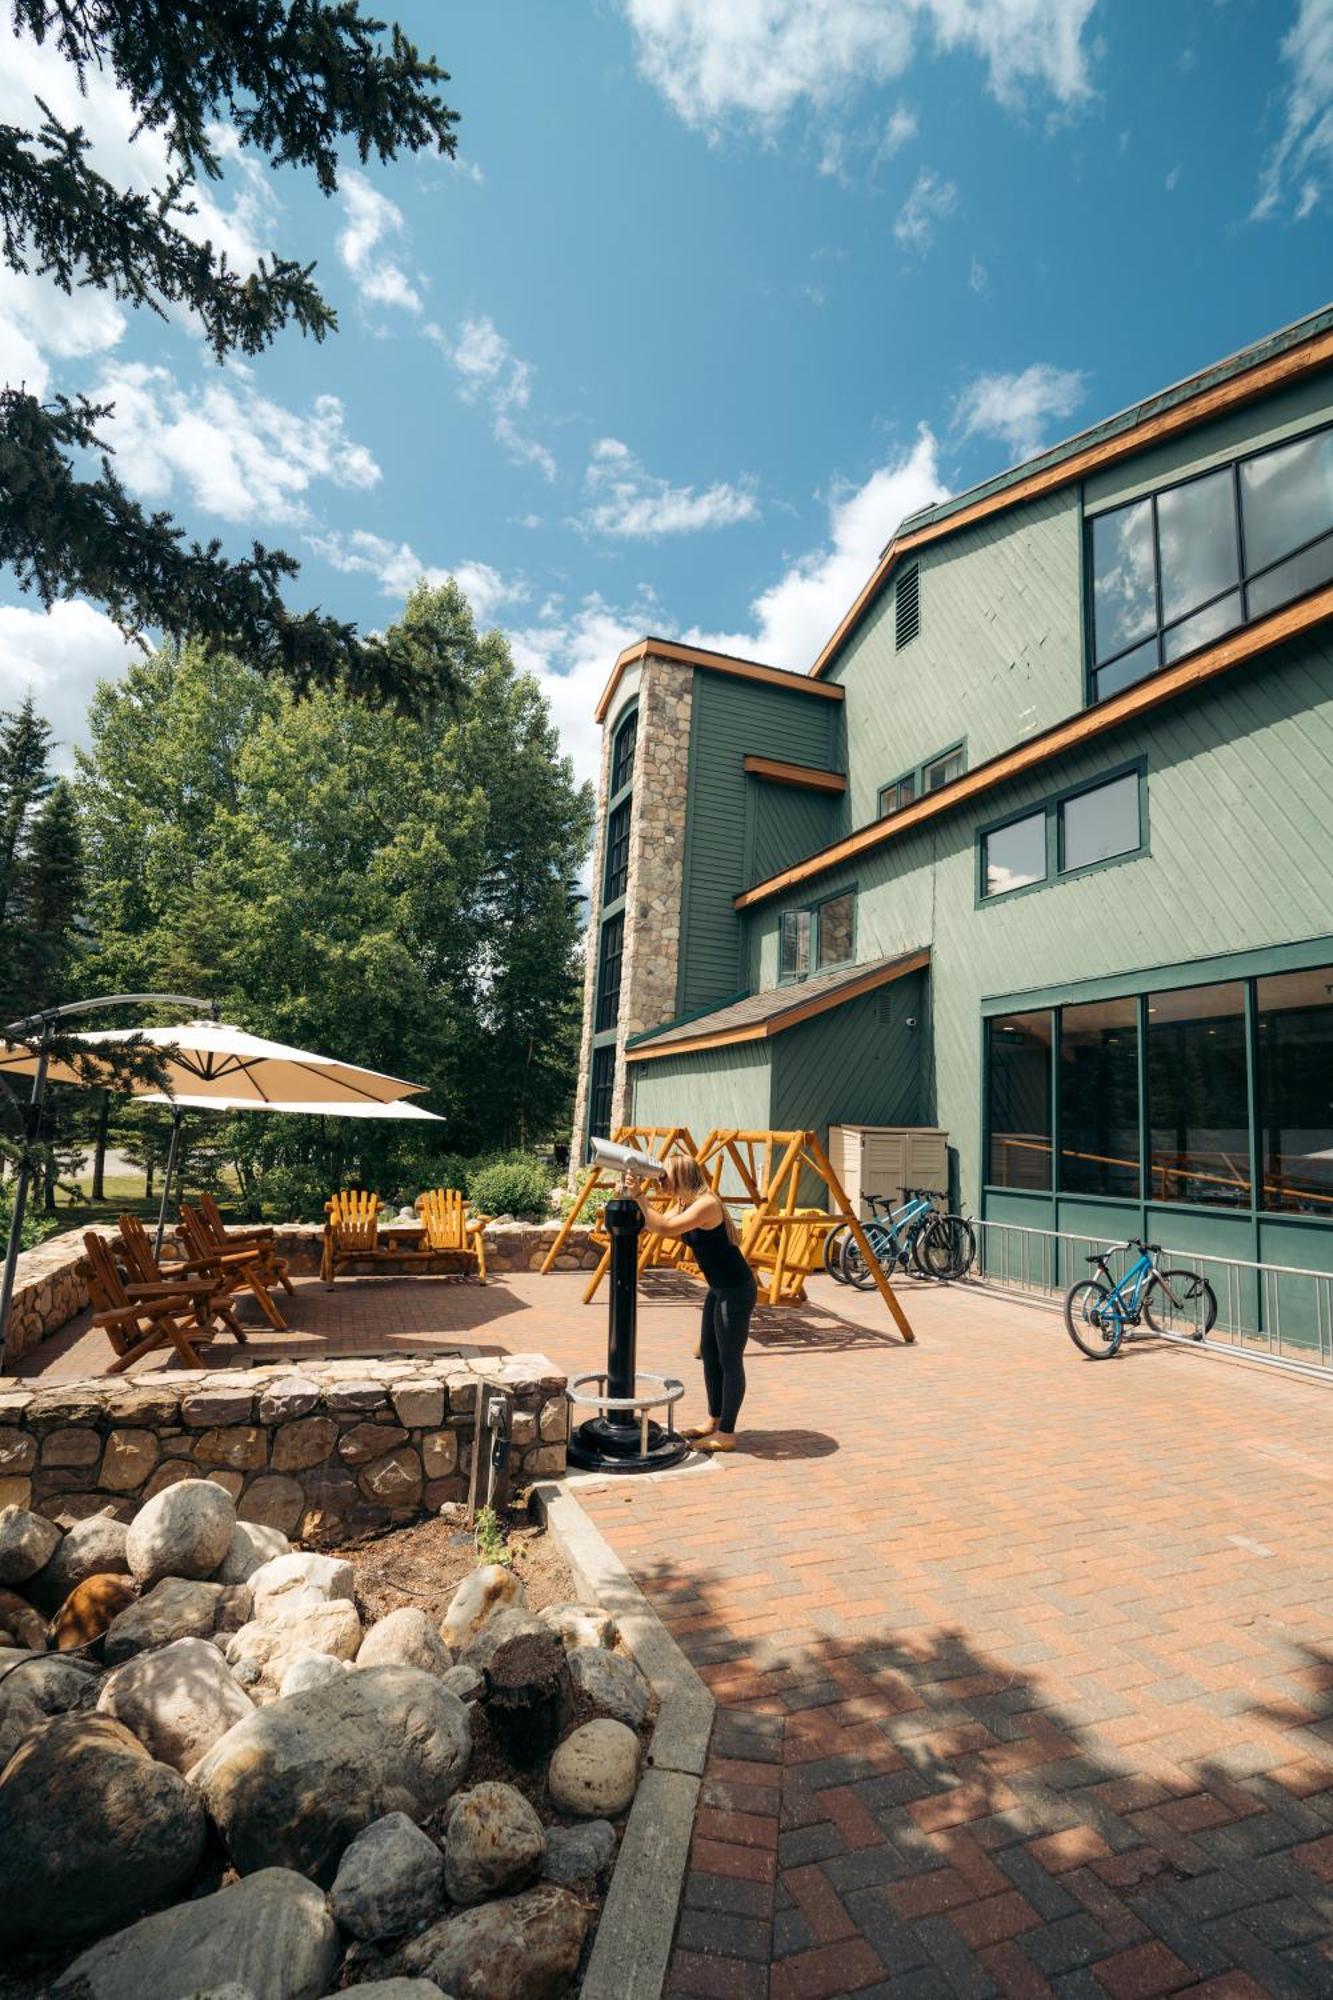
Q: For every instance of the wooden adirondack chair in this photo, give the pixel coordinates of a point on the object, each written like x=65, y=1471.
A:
x=261, y=1241
x=137, y=1317
x=351, y=1232
x=209, y=1294
x=450, y=1231
x=235, y=1270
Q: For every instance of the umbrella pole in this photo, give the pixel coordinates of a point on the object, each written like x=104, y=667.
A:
x=32, y=1125
x=176, y=1118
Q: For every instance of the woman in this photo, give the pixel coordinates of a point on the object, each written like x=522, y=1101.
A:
x=701, y=1219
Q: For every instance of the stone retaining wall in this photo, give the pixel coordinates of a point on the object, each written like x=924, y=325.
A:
x=315, y=1450
x=50, y=1289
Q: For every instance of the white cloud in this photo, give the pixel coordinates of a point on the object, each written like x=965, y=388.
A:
x=492, y=373
x=371, y=218
x=1016, y=408
x=1173, y=179
x=397, y=567
x=930, y=201
x=902, y=127
x=1299, y=165
x=60, y=655
x=793, y=619
x=978, y=277
x=628, y=502
x=760, y=59
x=571, y=658
x=236, y=453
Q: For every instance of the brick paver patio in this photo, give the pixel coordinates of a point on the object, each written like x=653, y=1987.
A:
x=1024, y=1664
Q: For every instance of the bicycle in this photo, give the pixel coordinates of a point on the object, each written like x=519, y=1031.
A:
x=1098, y=1310
x=916, y=1236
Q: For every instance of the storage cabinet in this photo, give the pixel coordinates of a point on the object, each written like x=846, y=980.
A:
x=884, y=1159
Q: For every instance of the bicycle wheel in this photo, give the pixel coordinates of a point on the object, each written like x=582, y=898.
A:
x=855, y=1270
x=945, y=1247
x=834, y=1244
x=1094, y=1331
x=1189, y=1301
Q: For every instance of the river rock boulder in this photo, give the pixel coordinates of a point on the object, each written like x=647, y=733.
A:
x=27, y=1544
x=520, y=1948
x=579, y=1853
x=178, y=1701
x=90, y=1608
x=311, y=1671
x=292, y=1784
x=175, y=1608
x=92, y=1830
x=405, y=1638
x=580, y=1624
x=264, y=1649
x=493, y=1844
x=291, y=1582
x=183, y=1531
x=610, y=1684
x=20, y=1624
x=252, y=1545
x=270, y=1935
x=95, y=1547
x=389, y=1880
x=478, y=1597
x=510, y=1622
x=595, y=1771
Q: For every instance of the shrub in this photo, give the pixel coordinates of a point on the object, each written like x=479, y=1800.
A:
x=36, y=1226
x=293, y=1194
x=452, y=1171
x=591, y=1208
x=520, y=1186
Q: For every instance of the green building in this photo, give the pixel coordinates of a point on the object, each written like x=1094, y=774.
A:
x=1040, y=850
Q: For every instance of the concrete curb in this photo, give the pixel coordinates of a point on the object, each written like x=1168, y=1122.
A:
x=633, y=1946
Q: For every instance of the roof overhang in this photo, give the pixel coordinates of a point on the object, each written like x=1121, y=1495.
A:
x=710, y=662
x=712, y=1032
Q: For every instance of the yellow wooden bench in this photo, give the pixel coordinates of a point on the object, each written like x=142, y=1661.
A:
x=448, y=1234
x=450, y=1231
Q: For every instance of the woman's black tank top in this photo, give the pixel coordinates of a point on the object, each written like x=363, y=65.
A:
x=719, y=1258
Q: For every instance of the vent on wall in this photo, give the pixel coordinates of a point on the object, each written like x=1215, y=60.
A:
x=907, y=606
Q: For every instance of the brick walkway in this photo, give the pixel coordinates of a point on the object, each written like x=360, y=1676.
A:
x=1024, y=1664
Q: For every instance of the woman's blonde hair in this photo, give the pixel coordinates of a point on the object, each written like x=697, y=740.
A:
x=686, y=1181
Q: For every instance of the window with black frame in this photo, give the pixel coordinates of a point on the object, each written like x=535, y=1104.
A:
x=1295, y=1047
x=1018, y=1101
x=622, y=753
x=1099, y=1098
x=617, y=852
x=601, y=1090
x=1181, y=567
x=608, y=972
x=1198, y=1096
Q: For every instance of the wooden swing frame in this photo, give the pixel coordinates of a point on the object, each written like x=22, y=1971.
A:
x=781, y=1245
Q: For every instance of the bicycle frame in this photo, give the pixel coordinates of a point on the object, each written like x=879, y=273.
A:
x=885, y=1235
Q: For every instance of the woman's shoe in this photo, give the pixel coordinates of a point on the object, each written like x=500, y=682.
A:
x=717, y=1441
x=696, y=1431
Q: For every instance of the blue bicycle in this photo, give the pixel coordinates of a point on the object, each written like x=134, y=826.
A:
x=914, y=1236
x=1098, y=1310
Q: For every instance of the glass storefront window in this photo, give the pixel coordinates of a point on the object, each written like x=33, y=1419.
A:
x=1295, y=1039
x=1099, y=1098
x=1018, y=1111
x=1198, y=1102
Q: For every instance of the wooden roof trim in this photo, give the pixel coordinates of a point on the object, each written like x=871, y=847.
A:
x=717, y=663
x=1203, y=666
x=790, y=1017
x=1275, y=372
x=776, y=772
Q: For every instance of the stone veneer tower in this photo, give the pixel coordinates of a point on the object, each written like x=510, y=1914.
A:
x=637, y=882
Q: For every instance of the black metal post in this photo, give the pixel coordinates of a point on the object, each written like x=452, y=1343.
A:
x=176, y=1118
x=31, y=1129
x=617, y=1441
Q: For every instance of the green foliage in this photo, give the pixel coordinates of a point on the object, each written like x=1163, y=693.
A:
x=490, y=1542
x=296, y=80
x=292, y=1194
x=36, y=1227
x=520, y=1187
x=591, y=1208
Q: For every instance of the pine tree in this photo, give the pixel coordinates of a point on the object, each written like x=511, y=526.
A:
x=52, y=894
x=25, y=747
x=296, y=79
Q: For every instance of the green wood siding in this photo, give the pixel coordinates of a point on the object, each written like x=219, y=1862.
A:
x=785, y=824
x=730, y=719
x=856, y=1065
x=999, y=655
x=716, y=1087
x=1244, y=430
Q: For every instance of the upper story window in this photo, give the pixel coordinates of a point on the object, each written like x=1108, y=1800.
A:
x=907, y=607
x=608, y=972
x=939, y=770
x=817, y=939
x=1180, y=568
x=1075, y=830
x=622, y=753
x=617, y=852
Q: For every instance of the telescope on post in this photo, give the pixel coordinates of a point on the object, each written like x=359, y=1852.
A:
x=624, y=1160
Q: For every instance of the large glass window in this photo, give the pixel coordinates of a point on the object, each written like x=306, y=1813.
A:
x=1018, y=1112
x=1015, y=855
x=601, y=1090
x=1198, y=1104
x=1175, y=571
x=1096, y=825
x=1099, y=1098
x=622, y=754
x=617, y=852
x=794, y=948
x=1295, y=1028
x=608, y=972
x=835, y=931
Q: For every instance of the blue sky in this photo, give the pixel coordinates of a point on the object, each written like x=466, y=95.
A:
x=715, y=293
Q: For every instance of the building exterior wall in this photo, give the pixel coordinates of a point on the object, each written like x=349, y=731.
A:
x=732, y=1086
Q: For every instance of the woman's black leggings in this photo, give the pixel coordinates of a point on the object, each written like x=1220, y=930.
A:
x=726, y=1329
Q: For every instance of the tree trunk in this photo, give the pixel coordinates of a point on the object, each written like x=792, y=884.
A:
x=99, y=1148
x=531, y=1697
x=149, y=1166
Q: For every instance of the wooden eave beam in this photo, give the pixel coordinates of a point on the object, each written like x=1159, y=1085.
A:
x=716, y=663
x=1160, y=687
x=790, y=1017
x=778, y=773
x=1275, y=373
